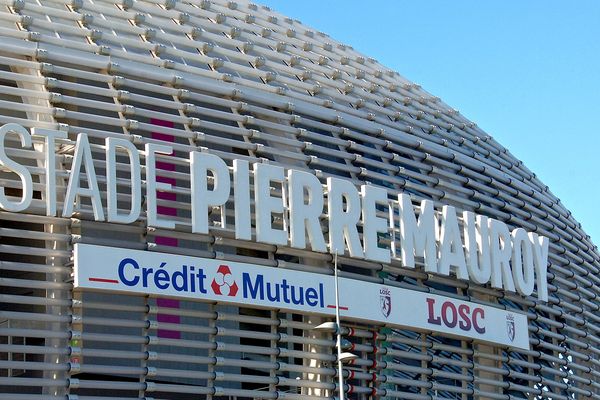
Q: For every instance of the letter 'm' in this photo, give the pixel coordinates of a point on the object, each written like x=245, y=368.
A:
x=417, y=238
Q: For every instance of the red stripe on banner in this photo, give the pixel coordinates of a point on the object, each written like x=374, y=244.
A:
x=341, y=307
x=166, y=241
x=103, y=280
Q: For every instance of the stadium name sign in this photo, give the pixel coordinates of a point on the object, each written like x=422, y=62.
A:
x=482, y=250
x=160, y=274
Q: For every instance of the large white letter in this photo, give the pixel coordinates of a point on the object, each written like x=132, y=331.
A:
x=202, y=198
x=112, y=208
x=372, y=224
x=21, y=170
x=265, y=205
x=50, y=164
x=304, y=216
x=522, y=262
x=452, y=254
x=417, y=238
x=540, y=261
x=152, y=186
x=241, y=200
x=83, y=156
x=501, y=252
x=342, y=222
x=477, y=241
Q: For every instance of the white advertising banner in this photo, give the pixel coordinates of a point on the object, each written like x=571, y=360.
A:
x=160, y=274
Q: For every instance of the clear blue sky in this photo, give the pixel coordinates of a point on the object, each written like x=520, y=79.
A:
x=527, y=72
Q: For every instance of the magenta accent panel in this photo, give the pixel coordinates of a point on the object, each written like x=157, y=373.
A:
x=166, y=241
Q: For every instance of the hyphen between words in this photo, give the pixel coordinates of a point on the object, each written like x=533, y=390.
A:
x=486, y=251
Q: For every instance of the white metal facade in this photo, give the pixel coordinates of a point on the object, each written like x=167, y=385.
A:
x=245, y=82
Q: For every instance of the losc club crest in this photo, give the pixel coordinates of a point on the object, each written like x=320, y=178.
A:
x=510, y=327
x=385, y=301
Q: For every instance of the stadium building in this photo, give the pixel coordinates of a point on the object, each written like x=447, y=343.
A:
x=183, y=181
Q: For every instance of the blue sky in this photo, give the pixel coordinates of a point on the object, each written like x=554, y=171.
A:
x=527, y=72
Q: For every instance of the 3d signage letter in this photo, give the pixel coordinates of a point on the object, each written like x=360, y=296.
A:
x=468, y=246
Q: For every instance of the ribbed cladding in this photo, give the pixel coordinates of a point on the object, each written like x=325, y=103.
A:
x=246, y=82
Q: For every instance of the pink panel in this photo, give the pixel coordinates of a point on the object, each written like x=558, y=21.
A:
x=166, y=241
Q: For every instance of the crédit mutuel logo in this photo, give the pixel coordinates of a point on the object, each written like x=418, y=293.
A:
x=221, y=281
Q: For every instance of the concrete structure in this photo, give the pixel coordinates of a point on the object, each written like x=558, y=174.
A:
x=240, y=81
